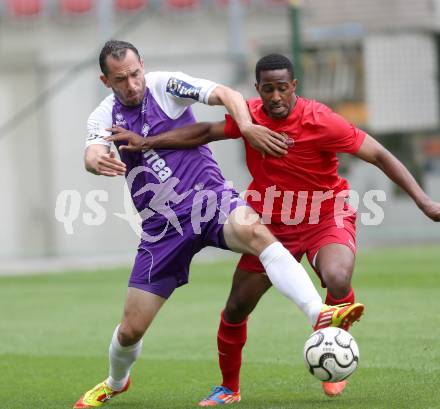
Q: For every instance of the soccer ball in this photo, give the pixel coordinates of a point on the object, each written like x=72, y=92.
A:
x=331, y=354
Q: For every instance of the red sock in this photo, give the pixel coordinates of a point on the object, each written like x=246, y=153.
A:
x=230, y=340
x=349, y=298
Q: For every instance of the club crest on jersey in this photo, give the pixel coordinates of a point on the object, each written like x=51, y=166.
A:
x=120, y=121
x=182, y=89
x=290, y=142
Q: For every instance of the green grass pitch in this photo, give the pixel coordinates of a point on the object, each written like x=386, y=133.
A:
x=55, y=330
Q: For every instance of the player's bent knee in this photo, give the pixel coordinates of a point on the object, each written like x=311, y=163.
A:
x=130, y=335
x=338, y=278
x=259, y=237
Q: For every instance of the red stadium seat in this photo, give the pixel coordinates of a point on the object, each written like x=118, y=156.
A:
x=224, y=3
x=25, y=7
x=183, y=4
x=76, y=6
x=276, y=2
x=131, y=5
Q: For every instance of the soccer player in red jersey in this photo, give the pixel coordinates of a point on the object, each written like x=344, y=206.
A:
x=298, y=193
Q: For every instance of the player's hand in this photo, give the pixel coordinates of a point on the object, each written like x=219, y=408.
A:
x=135, y=142
x=266, y=141
x=432, y=210
x=106, y=164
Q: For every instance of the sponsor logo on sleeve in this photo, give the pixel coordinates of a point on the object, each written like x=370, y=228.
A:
x=182, y=89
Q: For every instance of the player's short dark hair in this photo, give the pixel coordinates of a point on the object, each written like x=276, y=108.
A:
x=273, y=62
x=117, y=49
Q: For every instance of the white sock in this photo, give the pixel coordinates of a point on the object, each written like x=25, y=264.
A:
x=121, y=360
x=290, y=279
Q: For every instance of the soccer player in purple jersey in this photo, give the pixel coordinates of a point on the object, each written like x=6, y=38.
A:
x=183, y=202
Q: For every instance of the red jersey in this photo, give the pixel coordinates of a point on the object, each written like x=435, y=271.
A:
x=292, y=188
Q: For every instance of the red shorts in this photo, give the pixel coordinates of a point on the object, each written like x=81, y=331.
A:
x=307, y=239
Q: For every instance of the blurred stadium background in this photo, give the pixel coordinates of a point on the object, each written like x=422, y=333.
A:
x=375, y=62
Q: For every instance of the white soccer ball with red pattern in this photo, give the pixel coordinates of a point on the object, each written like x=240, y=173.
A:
x=331, y=354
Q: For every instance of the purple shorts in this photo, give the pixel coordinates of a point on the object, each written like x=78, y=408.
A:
x=165, y=253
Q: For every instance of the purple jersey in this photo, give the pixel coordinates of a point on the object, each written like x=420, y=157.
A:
x=161, y=179
x=180, y=188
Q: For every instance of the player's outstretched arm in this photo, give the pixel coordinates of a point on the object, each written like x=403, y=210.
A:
x=373, y=152
x=180, y=138
x=259, y=137
x=99, y=160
